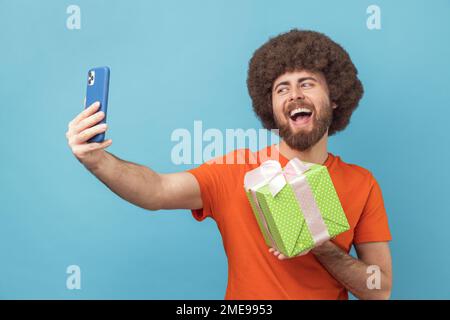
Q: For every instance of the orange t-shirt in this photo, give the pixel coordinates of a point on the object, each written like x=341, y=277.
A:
x=254, y=272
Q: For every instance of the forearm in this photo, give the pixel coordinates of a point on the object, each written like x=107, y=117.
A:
x=132, y=182
x=350, y=272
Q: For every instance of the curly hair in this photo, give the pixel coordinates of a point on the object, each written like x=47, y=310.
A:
x=304, y=50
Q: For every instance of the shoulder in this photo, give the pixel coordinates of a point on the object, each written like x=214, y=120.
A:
x=351, y=168
x=351, y=174
x=232, y=164
x=236, y=159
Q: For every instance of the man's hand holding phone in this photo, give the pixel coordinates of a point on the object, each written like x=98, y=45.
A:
x=83, y=127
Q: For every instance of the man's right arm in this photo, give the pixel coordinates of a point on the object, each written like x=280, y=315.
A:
x=133, y=182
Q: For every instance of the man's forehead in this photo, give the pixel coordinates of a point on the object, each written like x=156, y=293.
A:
x=297, y=74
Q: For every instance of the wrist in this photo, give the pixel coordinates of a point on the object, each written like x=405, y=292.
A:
x=323, y=248
x=97, y=163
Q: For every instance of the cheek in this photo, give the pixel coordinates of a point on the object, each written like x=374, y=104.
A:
x=277, y=108
x=319, y=100
x=274, y=104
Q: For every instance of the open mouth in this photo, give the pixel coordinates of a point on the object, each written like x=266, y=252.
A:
x=300, y=116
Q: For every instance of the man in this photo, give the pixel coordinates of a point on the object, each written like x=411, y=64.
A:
x=305, y=85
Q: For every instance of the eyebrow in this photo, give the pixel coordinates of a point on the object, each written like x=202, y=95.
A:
x=298, y=81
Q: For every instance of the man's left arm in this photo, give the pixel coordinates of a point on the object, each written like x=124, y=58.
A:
x=354, y=273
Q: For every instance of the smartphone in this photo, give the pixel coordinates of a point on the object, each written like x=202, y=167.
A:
x=97, y=90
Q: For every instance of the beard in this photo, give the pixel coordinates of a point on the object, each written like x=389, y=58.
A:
x=303, y=139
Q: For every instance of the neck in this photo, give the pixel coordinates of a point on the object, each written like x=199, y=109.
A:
x=316, y=154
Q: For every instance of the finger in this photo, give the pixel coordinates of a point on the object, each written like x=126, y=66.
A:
x=89, y=122
x=86, y=112
x=89, y=147
x=281, y=257
x=98, y=145
x=85, y=135
x=271, y=249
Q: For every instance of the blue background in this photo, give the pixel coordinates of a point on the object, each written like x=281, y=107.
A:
x=173, y=62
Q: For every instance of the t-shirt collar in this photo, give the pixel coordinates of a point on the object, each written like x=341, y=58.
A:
x=283, y=160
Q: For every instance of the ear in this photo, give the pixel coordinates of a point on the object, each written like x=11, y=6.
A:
x=334, y=105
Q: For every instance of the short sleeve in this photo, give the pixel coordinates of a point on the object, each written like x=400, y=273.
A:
x=209, y=178
x=373, y=223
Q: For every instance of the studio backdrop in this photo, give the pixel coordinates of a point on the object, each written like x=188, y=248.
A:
x=181, y=66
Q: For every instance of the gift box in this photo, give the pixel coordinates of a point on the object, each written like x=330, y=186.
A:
x=296, y=207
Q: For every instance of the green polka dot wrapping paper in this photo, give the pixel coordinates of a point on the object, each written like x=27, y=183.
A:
x=297, y=207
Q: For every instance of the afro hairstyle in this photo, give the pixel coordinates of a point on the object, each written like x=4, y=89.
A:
x=304, y=50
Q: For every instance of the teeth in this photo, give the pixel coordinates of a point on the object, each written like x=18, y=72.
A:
x=298, y=110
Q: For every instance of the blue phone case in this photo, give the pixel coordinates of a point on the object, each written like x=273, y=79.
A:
x=97, y=90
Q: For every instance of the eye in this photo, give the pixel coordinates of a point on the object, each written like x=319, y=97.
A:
x=282, y=90
x=307, y=85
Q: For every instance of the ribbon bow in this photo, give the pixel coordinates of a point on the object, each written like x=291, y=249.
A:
x=271, y=173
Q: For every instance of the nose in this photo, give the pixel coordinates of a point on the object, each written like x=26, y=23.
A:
x=296, y=94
